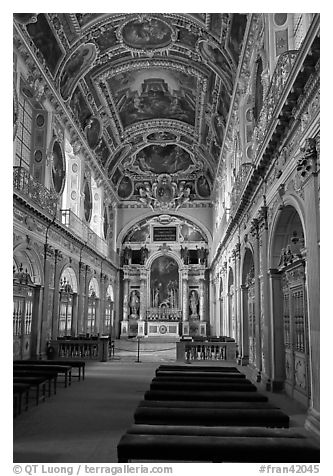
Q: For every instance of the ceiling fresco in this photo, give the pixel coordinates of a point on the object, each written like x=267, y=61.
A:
x=150, y=93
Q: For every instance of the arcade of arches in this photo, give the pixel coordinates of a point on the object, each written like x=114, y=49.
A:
x=166, y=184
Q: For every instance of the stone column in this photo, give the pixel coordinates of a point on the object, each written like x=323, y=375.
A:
x=55, y=312
x=217, y=307
x=256, y=257
x=46, y=314
x=124, y=323
x=266, y=343
x=277, y=338
x=308, y=169
x=237, y=294
x=185, y=323
x=202, y=297
x=87, y=277
x=80, y=297
x=143, y=302
x=101, y=318
x=202, y=304
x=225, y=313
x=244, y=349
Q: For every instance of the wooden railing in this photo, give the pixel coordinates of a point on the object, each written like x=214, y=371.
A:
x=100, y=349
x=206, y=351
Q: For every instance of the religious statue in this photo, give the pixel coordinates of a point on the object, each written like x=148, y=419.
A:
x=202, y=255
x=194, y=301
x=134, y=303
x=184, y=254
x=144, y=254
x=172, y=293
x=127, y=255
x=156, y=298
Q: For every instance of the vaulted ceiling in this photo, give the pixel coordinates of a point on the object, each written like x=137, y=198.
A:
x=150, y=92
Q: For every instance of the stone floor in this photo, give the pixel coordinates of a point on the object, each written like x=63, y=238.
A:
x=84, y=422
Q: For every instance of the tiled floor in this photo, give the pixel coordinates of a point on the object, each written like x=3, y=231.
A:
x=83, y=423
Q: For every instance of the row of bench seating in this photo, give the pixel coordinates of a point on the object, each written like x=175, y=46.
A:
x=41, y=377
x=211, y=414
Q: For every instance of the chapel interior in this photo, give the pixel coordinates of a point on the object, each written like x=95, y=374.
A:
x=165, y=196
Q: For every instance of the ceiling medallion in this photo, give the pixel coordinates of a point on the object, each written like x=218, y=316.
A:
x=146, y=34
x=164, y=194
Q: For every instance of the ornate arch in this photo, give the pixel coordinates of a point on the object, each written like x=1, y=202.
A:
x=291, y=201
x=69, y=274
x=152, y=214
x=33, y=258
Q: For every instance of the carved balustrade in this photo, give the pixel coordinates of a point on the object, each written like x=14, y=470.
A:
x=89, y=349
x=281, y=73
x=206, y=351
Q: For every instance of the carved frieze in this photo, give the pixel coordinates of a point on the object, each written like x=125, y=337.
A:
x=307, y=163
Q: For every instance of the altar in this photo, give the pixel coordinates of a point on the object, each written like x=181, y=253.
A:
x=164, y=285
x=164, y=321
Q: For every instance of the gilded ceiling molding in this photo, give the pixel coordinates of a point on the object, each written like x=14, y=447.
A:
x=250, y=37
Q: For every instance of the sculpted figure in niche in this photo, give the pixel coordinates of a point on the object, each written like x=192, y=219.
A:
x=184, y=254
x=202, y=255
x=144, y=254
x=194, y=301
x=127, y=255
x=134, y=303
x=156, y=298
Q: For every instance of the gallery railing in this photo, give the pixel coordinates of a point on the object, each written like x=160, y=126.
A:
x=273, y=97
x=266, y=117
x=26, y=186
x=81, y=229
x=187, y=351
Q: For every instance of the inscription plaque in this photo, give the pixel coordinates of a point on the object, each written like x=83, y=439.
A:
x=164, y=233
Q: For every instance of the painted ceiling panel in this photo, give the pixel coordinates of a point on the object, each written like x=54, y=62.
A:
x=150, y=92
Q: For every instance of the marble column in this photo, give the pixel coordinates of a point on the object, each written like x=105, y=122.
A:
x=143, y=302
x=256, y=258
x=202, y=297
x=277, y=338
x=185, y=323
x=266, y=344
x=124, y=323
x=81, y=292
x=47, y=297
x=202, y=305
x=244, y=349
x=55, y=312
x=217, y=307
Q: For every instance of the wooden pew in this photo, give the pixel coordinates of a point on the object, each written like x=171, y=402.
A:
x=268, y=417
x=50, y=375
x=66, y=370
x=208, y=379
x=202, y=395
x=20, y=391
x=199, y=374
x=196, y=368
x=205, y=386
x=79, y=364
x=217, y=449
x=198, y=404
x=228, y=431
x=38, y=383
